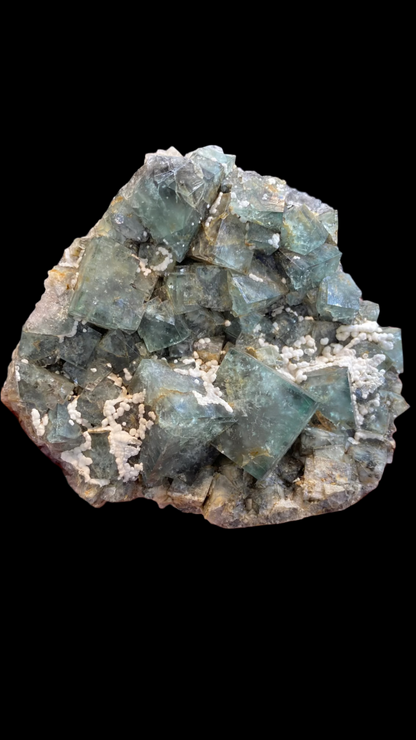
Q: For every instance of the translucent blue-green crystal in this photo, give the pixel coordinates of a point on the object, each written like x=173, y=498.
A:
x=157, y=257
x=225, y=247
x=196, y=285
x=183, y=416
x=184, y=290
x=86, y=377
x=245, y=329
x=295, y=297
x=268, y=354
x=285, y=324
x=369, y=311
x=392, y=358
x=41, y=388
x=212, y=350
x=115, y=351
x=171, y=194
x=157, y=377
x=255, y=291
x=118, y=349
x=258, y=199
x=121, y=223
x=164, y=455
x=385, y=407
x=371, y=457
x=329, y=219
x=290, y=330
x=40, y=349
x=270, y=413
x=233, y=328
x=395, y=402
x=204, y=323
x=61, y=431
x=103, y=463
x=396, y=353
x=166, y=196
x=79, y=348
x=182, y=349
x=308, y=270
x=330, y=387
x=262, y=239
x=378, y=420
x=323, y=330
x=213, y=284
x=105, y=228
x=160, y=327
x=213, y=159
x=317, y=438
x=229, y=249
x=125, y=220
x=180, y=418
x=302, y=232
x=392, y=382
x=90, y=403
x=110, y=293
x=338, y=298
x=214, y=165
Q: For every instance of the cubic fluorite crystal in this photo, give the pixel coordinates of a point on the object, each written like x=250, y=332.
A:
x=203, y=347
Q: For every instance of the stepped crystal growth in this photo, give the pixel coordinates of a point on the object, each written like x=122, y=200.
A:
x=203, y=347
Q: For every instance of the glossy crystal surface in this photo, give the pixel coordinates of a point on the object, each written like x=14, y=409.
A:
x=269, y=411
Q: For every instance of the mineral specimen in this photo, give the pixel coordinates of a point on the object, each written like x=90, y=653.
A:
x=202, y=347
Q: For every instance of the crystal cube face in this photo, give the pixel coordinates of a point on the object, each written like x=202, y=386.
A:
x=110, y=292
x=270, y=413
x=331, y=388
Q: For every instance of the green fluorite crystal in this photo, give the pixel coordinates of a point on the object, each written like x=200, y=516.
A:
x=308, y=270
x=302, y=232
x=203, y=347
x=391, y=349
x=40, y=349
x=262, y=239
x=160, y=327
x=184, y=290
x=60, y=432
x=221, y=240
x=338, y=298
x=394, y=353
x=172, y=194
x=258, y=200
x=369, y=311
x=91, y=402
x=41, y=389
x=270, y=413
x=103, y=462
x=110, y=291
x=158, y=378
x=330, y=387
x=183, y=422
x=213, y=285
x=255, y=291
x=204, y=323
x=168, y=198
x=122, y=223
x=79, y=348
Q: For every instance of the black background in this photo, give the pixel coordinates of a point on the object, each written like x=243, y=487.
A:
x=139, y=603
x=74, y=144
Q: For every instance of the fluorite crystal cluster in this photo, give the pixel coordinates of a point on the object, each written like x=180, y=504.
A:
x=203, y=347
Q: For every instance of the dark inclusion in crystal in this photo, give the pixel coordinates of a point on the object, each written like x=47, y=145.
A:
x=203, y=347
